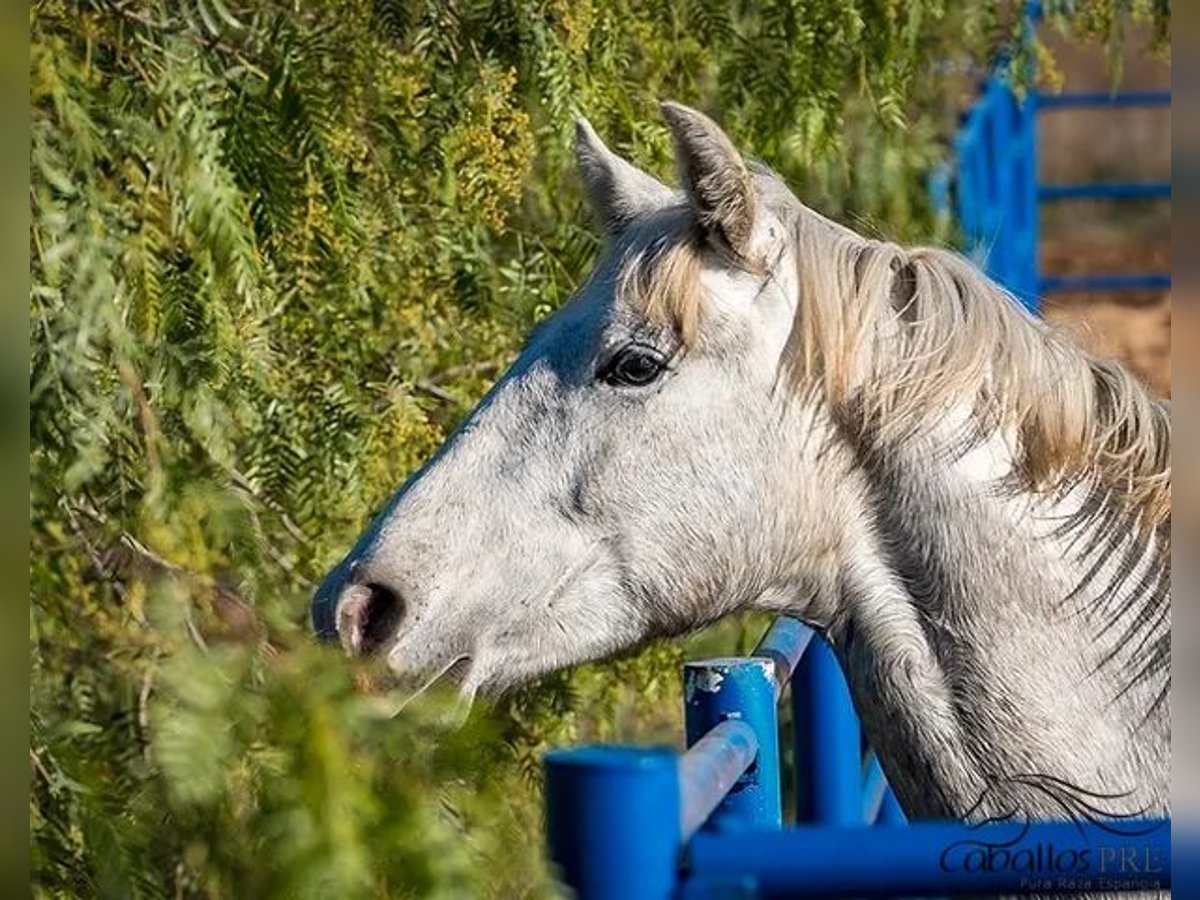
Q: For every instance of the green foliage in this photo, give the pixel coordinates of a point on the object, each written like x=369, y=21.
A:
x=276, y=251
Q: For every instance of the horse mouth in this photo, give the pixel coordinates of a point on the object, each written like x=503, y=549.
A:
x=455, y=672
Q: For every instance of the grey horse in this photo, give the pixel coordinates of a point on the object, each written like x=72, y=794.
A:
x=747, y=406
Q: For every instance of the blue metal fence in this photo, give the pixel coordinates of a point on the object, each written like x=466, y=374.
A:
x=993, y=185
x=634, y=823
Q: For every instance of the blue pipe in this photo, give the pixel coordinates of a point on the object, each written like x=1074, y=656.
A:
x=1028, y=224
x=784, y=644
x=612, y=821
x=1093, y=99
x=935, y=858
x=828, y=761
x=710, y=769
x=1058, y=284
x=742, y=689
x=1120, y=190
x=874, y=789
x=890, y=811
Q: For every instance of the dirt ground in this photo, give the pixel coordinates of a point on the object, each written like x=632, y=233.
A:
x=1134, y=327
x=1090, y=237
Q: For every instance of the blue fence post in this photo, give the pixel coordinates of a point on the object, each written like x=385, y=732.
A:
x=890, y=812
x=612, y=821
x=1028, y=286
x=1030, y=226
x=743, y=689
x=1001, y=260
x=828, y=761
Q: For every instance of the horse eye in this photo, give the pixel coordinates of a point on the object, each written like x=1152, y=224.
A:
x=633, y=367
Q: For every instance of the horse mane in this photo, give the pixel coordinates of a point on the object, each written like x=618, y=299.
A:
x=897, y=339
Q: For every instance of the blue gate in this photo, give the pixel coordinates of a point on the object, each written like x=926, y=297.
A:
x=993, y=187
x=627, y=823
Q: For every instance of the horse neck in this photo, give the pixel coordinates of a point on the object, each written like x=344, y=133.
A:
x=965, y=617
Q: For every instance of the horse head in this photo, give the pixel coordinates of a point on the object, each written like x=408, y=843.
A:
x=624, y=478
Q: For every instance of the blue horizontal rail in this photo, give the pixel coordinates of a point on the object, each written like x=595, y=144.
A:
x=1063, y=284
x=710, y=769
x=932, y=858
x=1132, y=190
x=784, y=644
x=1103, y=99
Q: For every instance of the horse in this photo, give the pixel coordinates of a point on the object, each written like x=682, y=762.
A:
x=747, y=406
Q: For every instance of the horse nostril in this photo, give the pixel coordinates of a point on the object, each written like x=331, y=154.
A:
x=384, y=612
x=368, y=617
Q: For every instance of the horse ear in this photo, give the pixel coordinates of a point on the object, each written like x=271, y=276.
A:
x=617, y=191
x=714, y=175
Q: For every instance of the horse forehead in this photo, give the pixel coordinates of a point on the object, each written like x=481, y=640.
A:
x=563, y=346
x=592, y=319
